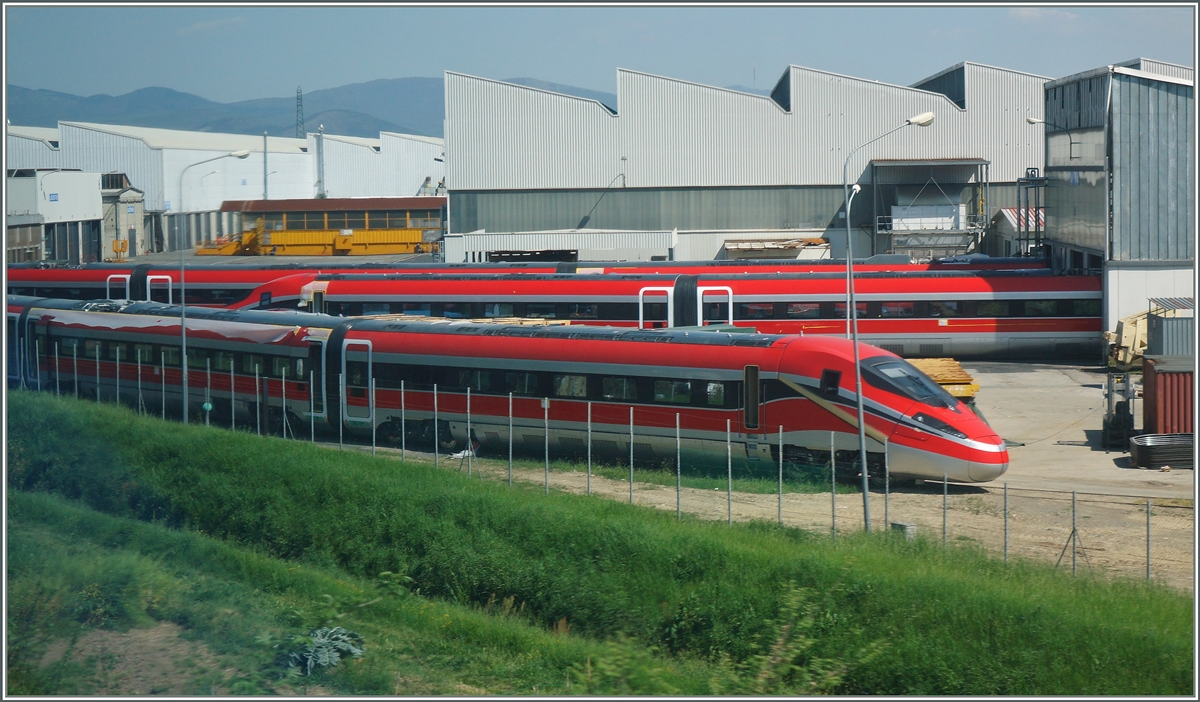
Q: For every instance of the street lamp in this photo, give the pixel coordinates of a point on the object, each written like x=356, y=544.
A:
x=922, y=120
x=182, y=285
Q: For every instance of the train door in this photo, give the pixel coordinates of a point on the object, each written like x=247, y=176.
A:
x=357, y=406
x=709, y=310
x=316, y=365
x=14, y=377
x=651, y=311
x=751, y=401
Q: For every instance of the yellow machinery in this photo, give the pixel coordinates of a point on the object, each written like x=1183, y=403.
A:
x=260, y=241
x=949, y=374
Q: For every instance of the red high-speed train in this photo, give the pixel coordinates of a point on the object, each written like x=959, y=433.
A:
x=224, y=285
x=766, y=393
x=992, y=313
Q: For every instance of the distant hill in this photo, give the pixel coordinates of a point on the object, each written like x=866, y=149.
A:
x=405, y=105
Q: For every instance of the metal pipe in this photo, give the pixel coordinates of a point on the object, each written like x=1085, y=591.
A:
x=118, y=348
x=833, y=485
x=546, y=438
x=510, y=438
x=589, y=446
x=97, y=364
x=341, y=406
x=678, y=473
x=887, y=489
x=781, y=474
x=436, y=451
x=141, y=405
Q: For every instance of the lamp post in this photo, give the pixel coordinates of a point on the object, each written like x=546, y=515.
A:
x=182, y=267
x=922, y=120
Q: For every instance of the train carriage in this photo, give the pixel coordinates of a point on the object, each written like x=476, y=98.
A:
x=290, y=371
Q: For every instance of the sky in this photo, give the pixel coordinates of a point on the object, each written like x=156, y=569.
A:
x=228, y=53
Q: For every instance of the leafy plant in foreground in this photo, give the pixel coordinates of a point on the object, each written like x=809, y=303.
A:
x=323, y=648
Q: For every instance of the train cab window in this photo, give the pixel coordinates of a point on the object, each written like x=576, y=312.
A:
x=803, y=310
x=222, y=361
x=839, y=309
x=677, y=392
x=583, y=310
x=456, y=310
x=519, y=383
x=421, y=309
x=570, y=386
x=170, y=356
x=497, y=309
x=476, y=380
x=715, y=393
x=91, y=349
x=1041, y=308
x=897, y=309
x=943, y=309
x=540, y=310
x=1085, y=308
x=618, y=389
x=992, y=308
x=830, y=381
x=251, y=363
x=899, y=376
x=754, y=310
x=370, y=308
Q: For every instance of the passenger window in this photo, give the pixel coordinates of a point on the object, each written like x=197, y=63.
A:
x=541, y=310
x=716, y=394
x=570, y=386
x=416, y=308
x=521, y=383
x=477, y=380
x=370, y=308
x=755, y=310
x=839, y=309
x=118, y=352
x=897, y=309
x=673, y=391
x=1041, y=308
x=197, y=358
x=222, y=361
x=583, y=311
x=91, y=349
x=944, y=309
x=497, y=309
x=170, y=356
x=1085, y=308
x=992, y=308
x=803, y=310
x=457, y=310
x=144, y=353
x=250, y=362
x=618, y=389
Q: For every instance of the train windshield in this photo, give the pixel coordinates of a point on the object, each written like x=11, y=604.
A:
x=899, y=376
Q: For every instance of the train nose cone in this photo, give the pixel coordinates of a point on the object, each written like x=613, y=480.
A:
x=991, y=464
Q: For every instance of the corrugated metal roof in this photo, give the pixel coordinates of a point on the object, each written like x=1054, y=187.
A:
x=1173, y=303
x=42, y=133
x=179, y=139
x=334, y=204
x=1018, y=219
x=1160, y=67
x=414, y=137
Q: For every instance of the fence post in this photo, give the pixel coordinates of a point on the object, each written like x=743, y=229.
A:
x=341, y=404
x=728, y=471
x=258, y=406
x=631, y=454
x=781, y=474
x=678, y=473
x=56, y=390
x=469, y=443
x=97, y=363
x=1074, y=536
x=1006, y=523
x=141, y=406
x=162, y=395
x=233, y=397
x=833, y=486
x=372, y=416
x=589, y=449
x=403, y=428
x=207, y=384
x=436, y=451
x=510, y=439
x=546, y=435
x=1147, y=540
x=312, y=405
x=39, y=355
x=887, y=488
x=945, y=493
x=75, y=370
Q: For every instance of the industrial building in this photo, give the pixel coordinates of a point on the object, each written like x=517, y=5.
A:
x=53, y=214
x=1120, y=180
x=676, y=156
x=185, y=176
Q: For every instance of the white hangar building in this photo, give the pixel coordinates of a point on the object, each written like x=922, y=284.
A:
x=185, y=176
x=680, y=157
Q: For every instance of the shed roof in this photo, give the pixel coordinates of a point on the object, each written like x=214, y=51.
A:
x=1019, y=218
x=42, y=133
x=157, y=138
x=335, y=204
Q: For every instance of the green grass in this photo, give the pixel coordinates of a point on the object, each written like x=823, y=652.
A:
x=945, y=623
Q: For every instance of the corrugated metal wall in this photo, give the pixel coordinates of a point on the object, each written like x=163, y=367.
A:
x=1154, y=170
x=952, y=84
x=354, y=168
x=1168, y=406
x=591, y=245
x=1161, y=67
x=23, y=152
x=94, y=150
x=678, y=208
x=672, y=133
x=500, y=135
x=1171, y=336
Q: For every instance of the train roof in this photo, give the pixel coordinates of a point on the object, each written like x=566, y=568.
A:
x=652, y=277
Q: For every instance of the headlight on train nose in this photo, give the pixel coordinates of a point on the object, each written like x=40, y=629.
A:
x=938, y=425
